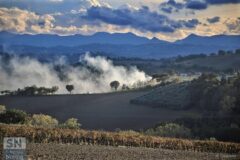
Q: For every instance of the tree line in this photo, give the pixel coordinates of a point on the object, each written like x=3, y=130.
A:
x=219, y=53
x=34, y=90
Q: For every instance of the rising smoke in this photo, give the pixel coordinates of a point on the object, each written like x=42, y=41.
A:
x=92, y=76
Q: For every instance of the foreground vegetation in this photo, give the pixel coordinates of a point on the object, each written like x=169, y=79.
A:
x=54, y=151
x=15, y=116
x=125, y=138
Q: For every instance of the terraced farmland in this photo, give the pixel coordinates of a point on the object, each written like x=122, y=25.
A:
x=174, y=96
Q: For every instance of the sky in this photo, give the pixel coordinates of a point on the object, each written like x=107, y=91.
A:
x=165, y=19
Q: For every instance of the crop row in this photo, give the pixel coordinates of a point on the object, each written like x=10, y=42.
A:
x=127, y=138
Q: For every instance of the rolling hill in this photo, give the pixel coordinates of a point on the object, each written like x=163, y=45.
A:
x=173, y=96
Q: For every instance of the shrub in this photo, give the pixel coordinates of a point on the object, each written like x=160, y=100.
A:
x=170, y=130
x=13, y=116
x=43, y=121
x=2, y=109
x=71, y=123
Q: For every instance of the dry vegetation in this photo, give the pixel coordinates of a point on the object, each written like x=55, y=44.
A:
x=127, y=138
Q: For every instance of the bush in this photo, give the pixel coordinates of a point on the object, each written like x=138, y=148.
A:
x=71, y=123
x=170, y=130
x=2, y=109
x=13, y=116
x=43, y=121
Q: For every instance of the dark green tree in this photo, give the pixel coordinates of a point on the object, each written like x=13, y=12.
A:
x=70, y=88
x=114, y=85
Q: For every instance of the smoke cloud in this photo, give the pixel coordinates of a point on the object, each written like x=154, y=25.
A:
x=92, y=75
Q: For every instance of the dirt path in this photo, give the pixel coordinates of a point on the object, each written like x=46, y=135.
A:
x=86, y=152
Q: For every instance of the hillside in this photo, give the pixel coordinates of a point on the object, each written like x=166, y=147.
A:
x=218, y=62
x=230, y=40
x=96, y=111
x=186, y=64
x=208, y=92
x=174, y=96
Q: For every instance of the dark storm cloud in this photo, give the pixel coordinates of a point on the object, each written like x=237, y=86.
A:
x=191, y=23
x=222, y=1
x=167, y=9
x=197, y=5
x=213, y=19
x=170, y=5
x=142, y=19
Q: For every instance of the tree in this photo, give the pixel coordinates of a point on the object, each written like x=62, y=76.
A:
x=71, y=123
x=227, y=103
x=237, y=51
x=69, y=88
x=54, y=89
x=221, y=53
x=114, y=85
x=30, y=91
x=6, y=92
x=125, y=87
x=43, y=121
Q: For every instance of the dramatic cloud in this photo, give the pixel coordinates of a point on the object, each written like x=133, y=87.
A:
x=213, y=19
x=93, y=76
x=142, y=19
x=18, y=20
x=191, y=23
x=169, y=20
x=170, y=6
x=51, y=6
x=23, y=21
x=233, y=25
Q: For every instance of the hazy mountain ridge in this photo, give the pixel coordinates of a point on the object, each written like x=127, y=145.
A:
x=116, y=45
x=221, y=40
x=50, y=40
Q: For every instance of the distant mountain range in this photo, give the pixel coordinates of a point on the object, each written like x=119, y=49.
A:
x=117, y=44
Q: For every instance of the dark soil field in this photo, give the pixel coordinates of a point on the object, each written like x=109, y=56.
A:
x=88, y=152
x=96, y=111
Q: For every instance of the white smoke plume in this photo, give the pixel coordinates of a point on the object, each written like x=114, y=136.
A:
x=93, y=76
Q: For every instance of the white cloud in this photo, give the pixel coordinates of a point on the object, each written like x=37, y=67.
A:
x=51, y=6
x=17, y=20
